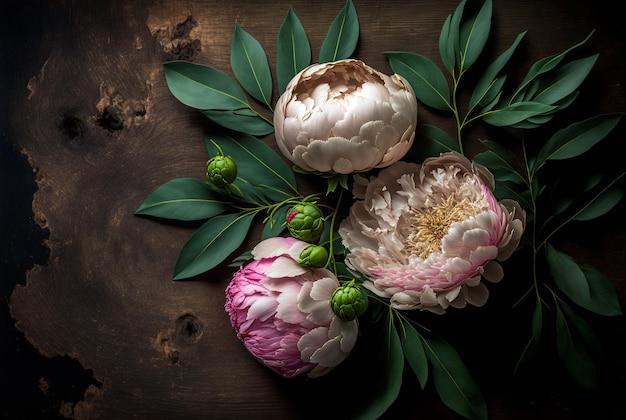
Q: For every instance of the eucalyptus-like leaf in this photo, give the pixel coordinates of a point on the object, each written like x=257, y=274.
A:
x=426, y=79
x=568, y=276
x=543, y=66
x=515, y=113
x=537, y=321
x=209, y=246
x=186, y=199
x=499, y=158
x=564, y=80
x=342, y=36
x=577, y=138
x=431, y=141
x=203, y=87
x=600, y=205
x=257, y=164
x=250, y=66
x=604, y=299
x=452, y=380
x=243, y=120
x=484, y=91
x=474, y=34
x=293, y=53
x=390, y=364
x=574, y=355
x=414, y=351
x=449, y=38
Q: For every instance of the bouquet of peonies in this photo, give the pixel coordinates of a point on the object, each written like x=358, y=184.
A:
x=393, y=232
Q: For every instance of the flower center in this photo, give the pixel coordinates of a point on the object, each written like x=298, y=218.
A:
x=430, y=224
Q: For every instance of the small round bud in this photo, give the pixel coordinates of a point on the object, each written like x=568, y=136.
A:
x=305, y=221
x=221, y=170
x=313, y=256
x=348, y=302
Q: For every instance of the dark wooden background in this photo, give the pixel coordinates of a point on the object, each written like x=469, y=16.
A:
x=92, y=324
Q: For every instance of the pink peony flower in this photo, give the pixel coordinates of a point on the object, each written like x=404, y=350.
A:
x=425, y=235
x=280, y=311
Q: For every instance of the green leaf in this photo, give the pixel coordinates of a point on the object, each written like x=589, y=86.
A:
x=452, y=380
x=242, y=120
x=574, y=355
x=564, y=80
x=342, y=36
x=203, y=87
x=515, y=113
x=568, y=276
x=414, y=351
x=250, y=66
x=600, y=205
x=474, y=35
x=484, y=91
x=293, y=53
x=499, y=160
x=449, y=48
x=577, y=138
x=184, y=199
x=426, y=79
x=543, y=66
x=431, y=141
x=390, y=362
x=604, y=299
x=258, y=164
x=209, y=246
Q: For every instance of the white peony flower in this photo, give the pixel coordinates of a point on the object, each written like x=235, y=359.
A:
x=425, y=235
x=345, y=117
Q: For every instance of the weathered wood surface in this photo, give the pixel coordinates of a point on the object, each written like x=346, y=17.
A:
x=89, y=108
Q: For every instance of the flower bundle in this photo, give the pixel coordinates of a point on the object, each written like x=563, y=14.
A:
x=405, y=222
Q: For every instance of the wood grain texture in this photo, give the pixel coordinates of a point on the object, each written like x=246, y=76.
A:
x=90, y=110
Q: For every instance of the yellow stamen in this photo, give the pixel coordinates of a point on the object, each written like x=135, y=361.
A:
x=431, y=224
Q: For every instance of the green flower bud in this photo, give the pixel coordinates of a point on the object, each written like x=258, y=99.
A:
x=221, y=170
x=348, y=302
x=305, y=221
x=313, y=256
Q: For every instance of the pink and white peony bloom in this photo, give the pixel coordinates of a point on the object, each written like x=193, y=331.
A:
x=280, y=311
x=424, y=235
x=344, y=116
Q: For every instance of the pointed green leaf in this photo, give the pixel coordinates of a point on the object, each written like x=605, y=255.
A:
x=474, y=35
x=601, y=204
x=414, y=351
x=391, y=365
x=501, y=160
x=293, y=53
x=577, y=138
x=242, y=120
x=250, y=66
x=543, y=66
x=203, y=87
x=431, y=141
x=209, y=246
x=604, y=299
x=564, y=80
x=426, y=79
x=257, y=164
x=453, y=382
x=449, y=38
x=515, y=113
x=489, y=77
x=568, y=276
x=342, y=36
x=574, y=355
x=184, y=199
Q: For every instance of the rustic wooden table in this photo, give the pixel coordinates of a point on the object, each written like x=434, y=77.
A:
x=94, y=326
